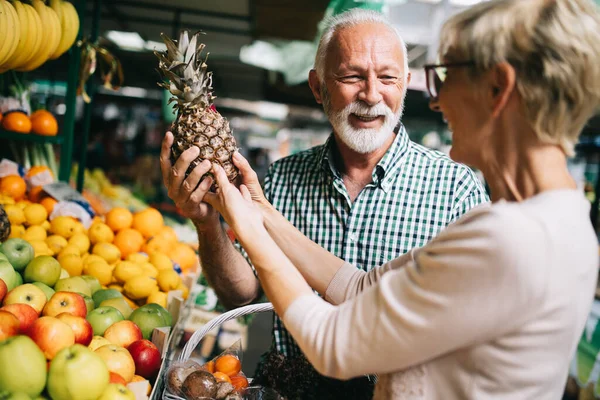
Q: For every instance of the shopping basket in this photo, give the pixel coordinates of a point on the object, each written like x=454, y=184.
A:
x=210, y=325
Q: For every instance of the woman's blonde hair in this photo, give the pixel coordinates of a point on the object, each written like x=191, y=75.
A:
x=554, y=46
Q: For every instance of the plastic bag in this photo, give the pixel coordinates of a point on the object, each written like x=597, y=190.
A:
x=218, y=379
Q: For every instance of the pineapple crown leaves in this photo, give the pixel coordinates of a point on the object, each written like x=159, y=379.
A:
x=185, y=72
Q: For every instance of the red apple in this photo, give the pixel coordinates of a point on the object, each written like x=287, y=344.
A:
x=51, y=335
x=116, y=378
x=118, y=360
x=9, y=325
x=81, y=328
x=3, y=290
x=24, y=312
x=123, y=333
x=65, y=302
x=146, y=357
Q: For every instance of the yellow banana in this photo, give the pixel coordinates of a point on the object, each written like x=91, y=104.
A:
x=70, y=28
x=57, y=31
x=47, y=25
x=17, y=32
x=8, y=32
x=35, y=24
x=25, y=39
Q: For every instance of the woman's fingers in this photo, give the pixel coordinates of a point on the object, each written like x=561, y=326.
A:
x=165, y=157
x=220, y=176
x=244, y=166
x=246, y=193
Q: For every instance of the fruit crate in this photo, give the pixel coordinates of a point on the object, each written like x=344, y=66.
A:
x=193, y=342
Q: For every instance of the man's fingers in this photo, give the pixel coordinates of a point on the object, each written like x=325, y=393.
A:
x=165, y=157
x=191, y=182
x=181, y=166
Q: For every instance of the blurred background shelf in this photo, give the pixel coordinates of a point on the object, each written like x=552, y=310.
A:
x=30, y=137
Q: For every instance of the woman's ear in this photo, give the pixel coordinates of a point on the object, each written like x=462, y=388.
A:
x=503, y=81
x=315, y=85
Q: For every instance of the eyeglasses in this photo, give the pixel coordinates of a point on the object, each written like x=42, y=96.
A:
x=435, y=75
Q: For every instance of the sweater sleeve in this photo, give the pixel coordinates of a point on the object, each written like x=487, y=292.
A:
x=476, y=280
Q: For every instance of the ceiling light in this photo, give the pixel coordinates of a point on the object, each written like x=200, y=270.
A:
x=126, y=40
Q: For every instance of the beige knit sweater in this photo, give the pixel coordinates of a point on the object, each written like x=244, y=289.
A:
x=490, y=309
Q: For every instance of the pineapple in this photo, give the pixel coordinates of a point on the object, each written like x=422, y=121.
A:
x=4, y=225
x=198, y=123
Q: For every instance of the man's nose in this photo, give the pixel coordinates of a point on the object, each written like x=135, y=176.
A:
x=370, y=93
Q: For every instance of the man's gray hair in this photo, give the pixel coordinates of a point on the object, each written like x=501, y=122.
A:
x=355, y=16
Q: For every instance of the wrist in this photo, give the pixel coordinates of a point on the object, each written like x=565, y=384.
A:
x=208, y=224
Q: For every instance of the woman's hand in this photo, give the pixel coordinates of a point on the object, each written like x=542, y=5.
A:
x=187, y=193
x=236, y=206
x=250, y=180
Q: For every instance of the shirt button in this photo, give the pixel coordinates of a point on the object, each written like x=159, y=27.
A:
x=353, y=237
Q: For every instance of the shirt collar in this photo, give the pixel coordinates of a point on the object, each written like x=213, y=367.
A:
x=386, y=168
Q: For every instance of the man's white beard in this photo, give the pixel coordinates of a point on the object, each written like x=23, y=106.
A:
x=362, y=141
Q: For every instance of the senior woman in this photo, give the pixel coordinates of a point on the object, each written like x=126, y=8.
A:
x=493, y=307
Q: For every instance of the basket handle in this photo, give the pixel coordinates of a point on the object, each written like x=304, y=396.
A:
x=229, y=315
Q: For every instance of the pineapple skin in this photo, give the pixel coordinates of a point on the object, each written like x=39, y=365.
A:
x=210, y=132
x=4, y=225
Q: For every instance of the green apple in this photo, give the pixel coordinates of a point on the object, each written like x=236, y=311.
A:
x=14, y=396
x=166, y=314
x=63, y=274
x=105, y=294
x=43, y=269
x=147, y=318
x=73, y=284
x=8, y=274
x=77, y=373
x=22, y=366
x=27, y=294
x=93, y=283
x=18, y=252
x=3, y=257
x=120, y=304
x=116, y=391
x=48, y=291
x=89, y=302
x=103, y=317
x=19, y=278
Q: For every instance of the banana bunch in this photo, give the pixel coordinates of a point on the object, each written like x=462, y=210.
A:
x=10, y=31
x=35, y=33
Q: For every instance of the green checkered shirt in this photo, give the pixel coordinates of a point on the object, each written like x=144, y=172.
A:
x=415, y=193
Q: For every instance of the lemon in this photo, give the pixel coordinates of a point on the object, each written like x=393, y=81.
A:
x=56, y=243
x=138, y=258
x=100, y=233
x=35, y=214
x=16, y=231
x=126, y=270
x=72, y=263
x=81, y=241
x=89, y=258
x=184, y=290
x=107, y=251
x=22, y=204
x=34, y=232
x=40, y=248
x=63, y=226
x=45, y=225
x=160, y=261
x=69, y=249
x=139, y=287
x=158, y=298
x=15, y=214
x=149, y=270
x=116, y=286
x=100, y=270
x=168, y=279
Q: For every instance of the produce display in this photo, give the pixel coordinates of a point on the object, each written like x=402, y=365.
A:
x=35, y=33
x=79, y=304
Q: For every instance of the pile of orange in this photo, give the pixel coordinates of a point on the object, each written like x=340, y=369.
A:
x=16, y=121
x=13, y=186
x=41, y=122
x=228, y=368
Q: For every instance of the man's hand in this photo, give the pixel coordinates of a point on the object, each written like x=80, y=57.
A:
x=187, y=193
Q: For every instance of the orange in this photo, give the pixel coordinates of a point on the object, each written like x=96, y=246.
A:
x=36, y=169
x=44, y=123
x=36, y=194
x=119, y=218
x=48, y=203
x=228, y=364
x=13, y=186
x=129, y=241
x=183, y=255
x=148, y=222
x=116, y=378
x=17, y=121
x=168, y=234
x=210, y=367
x=221, y=377
x=157, y=244
x=239, y=382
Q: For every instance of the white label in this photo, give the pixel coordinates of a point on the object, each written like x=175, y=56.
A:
x=8, y=167
x=41, y=179
x=61, y=191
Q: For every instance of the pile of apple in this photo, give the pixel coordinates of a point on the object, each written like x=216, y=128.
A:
x=67, y=338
